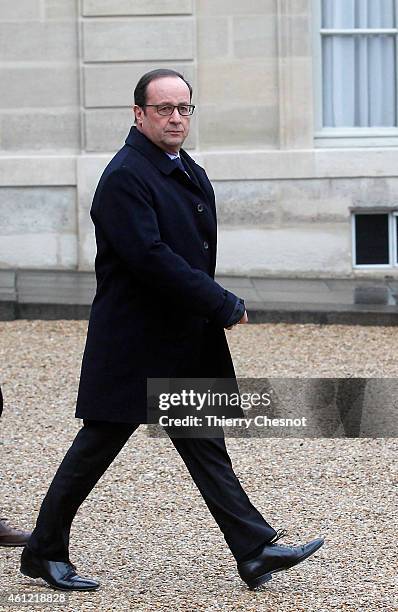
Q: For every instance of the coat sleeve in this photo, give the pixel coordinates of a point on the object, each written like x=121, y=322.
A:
x=124, y=213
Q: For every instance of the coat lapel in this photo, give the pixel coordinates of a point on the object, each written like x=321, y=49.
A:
x=158, y=158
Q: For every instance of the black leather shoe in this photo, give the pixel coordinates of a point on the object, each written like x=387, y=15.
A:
x=57, y=574
x=275, y=558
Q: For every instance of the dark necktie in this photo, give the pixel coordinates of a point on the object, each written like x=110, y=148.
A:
x=180, y=165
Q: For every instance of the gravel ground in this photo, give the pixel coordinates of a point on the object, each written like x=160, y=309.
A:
x=151, y=552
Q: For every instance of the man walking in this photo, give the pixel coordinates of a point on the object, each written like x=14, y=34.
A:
x=157, y=313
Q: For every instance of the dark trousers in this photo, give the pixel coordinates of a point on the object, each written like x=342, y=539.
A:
x=93, y=450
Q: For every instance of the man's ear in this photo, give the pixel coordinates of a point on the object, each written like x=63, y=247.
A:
x=138, y=112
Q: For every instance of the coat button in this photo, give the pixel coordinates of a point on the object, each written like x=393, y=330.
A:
x=200, y=208
x=205, y=245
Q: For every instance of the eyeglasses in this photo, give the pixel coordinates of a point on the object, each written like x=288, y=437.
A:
x=168, y=109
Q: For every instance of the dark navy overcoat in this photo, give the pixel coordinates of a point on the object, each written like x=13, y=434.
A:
x=157, y=311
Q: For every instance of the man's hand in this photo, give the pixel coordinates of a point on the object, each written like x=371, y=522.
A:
x=244, y=319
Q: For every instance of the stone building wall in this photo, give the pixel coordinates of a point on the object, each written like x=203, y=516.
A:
x=68, y=70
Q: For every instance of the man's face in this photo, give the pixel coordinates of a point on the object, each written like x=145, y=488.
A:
x=167, y=132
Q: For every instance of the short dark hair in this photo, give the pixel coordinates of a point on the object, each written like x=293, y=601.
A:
x=142, y=85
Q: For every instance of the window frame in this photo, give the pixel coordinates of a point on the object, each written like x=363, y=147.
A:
x=392, y=239
x=347, y=136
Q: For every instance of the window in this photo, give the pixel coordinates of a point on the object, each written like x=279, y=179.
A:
x=357, y=69
x=375, y=239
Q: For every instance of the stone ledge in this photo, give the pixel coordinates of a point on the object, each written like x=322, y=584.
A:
x=67, y=294
x=7, y=286
x=55, y=287
x=32, y=169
